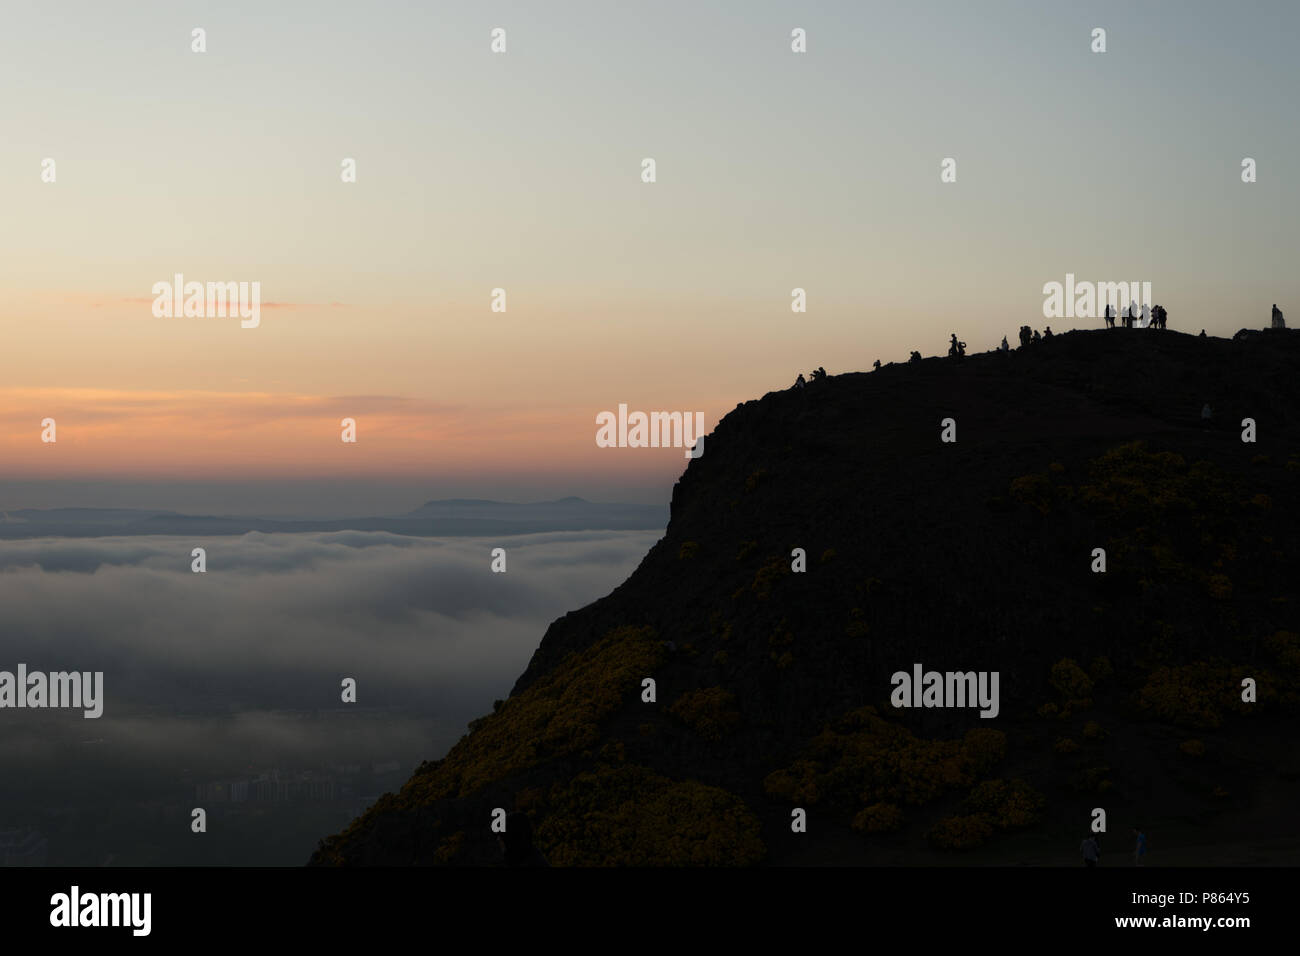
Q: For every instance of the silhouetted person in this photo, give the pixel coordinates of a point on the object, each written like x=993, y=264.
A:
x=1004, y=347
x=876, y=365
x=1037, y=337
x=517, y=842
x=916, y=357
x=1146, y=316
x=800, y=382
x=1110, y=316
x=955, y=348
x=1091, y=852
x=1047, y=332
x=1202, y=333
x=818, y=373
x=1278, y=321
x=1025, y=336
x=1133, y=312
x=1140, y=847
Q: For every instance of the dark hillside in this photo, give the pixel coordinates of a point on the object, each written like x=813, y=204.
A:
x=1119, y=690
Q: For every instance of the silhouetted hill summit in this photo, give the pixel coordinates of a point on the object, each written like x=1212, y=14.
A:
x=1119, y=689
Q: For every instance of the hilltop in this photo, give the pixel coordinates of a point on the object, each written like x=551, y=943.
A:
x=1119, y=690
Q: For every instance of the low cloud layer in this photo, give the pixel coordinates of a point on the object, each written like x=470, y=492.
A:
x=277, y=621
x=236, y=672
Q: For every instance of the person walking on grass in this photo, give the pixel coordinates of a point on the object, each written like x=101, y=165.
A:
x=1140, y=847
x=1091, y=852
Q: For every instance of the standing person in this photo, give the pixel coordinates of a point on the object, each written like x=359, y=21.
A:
x=1091, y=852
x=1110, y=316
x=1139, y=847
x=1278, y=321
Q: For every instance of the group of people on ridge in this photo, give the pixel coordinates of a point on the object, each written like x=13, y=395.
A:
x=1133, y=316
x=1027, y=336
x=817, y=374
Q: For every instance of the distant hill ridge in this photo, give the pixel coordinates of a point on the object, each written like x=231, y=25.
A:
x=470, y=517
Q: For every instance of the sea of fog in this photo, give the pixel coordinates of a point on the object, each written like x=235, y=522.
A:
x=222, y=690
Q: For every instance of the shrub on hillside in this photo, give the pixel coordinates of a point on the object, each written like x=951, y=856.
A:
x=961, y=833
x=632, y=816
x=1008, y=804
x=710, y=712
x=878, y=818
x=865, y=759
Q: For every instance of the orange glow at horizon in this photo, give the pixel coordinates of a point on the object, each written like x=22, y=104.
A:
x=214, y=435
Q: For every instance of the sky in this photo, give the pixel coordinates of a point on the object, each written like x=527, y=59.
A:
x=522, y=171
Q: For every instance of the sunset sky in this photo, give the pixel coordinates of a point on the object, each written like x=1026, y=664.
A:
x=775, y=170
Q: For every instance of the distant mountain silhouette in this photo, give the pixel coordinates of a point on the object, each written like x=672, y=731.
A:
x=1119, y=690
x=571, y=511
x=467, y=517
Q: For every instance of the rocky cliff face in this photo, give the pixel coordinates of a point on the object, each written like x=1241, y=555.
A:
x=1120, y=690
